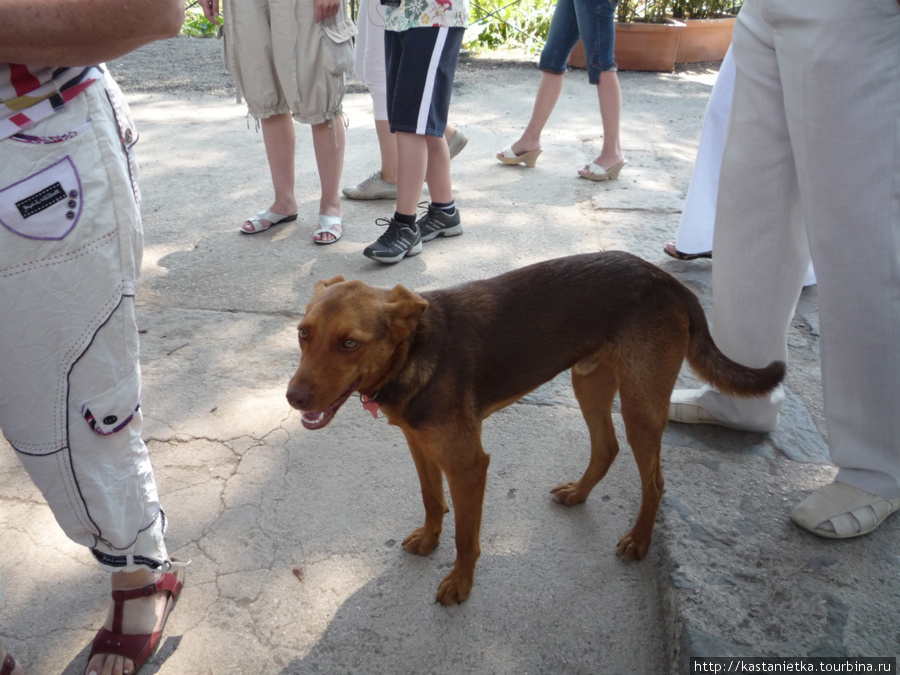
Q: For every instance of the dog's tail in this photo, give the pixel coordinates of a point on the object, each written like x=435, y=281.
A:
x=713, y=366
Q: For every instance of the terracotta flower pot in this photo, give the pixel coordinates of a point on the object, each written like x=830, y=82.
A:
x=705, y=40
x=640, y=46
x=648, y=46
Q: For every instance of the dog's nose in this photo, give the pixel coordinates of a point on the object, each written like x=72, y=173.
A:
x=298, y=397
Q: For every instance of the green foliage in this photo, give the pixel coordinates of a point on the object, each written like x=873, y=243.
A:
x=704, y=9
x=657, y=11
x=651, y=11
x=195, y=23
x=524, y=23
x=509, y=23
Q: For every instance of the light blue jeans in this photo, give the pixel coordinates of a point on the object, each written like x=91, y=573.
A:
x=594, y=21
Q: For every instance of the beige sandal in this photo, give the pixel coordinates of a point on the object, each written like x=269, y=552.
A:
x=841, y=511
x=507, y=156
x=596, y=172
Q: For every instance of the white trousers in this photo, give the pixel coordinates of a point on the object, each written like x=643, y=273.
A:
x=70, y=253
x=370, y=67
x=815, y=131
x=695, y=231
x=698, y=217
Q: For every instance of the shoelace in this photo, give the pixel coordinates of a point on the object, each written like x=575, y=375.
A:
x=390, y=237
x=427, y=217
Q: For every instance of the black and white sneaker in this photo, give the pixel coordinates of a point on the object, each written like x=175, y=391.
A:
x=399, y=241
x=438, y=223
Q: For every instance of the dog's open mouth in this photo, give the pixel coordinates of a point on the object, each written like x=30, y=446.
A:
x=318, y=419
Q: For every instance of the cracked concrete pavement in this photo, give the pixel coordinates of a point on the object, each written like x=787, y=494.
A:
x=294, y=535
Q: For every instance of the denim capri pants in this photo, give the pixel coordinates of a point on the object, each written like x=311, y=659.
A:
x=594, y=21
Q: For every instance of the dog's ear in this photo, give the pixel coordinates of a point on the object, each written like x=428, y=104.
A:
x=405, y=309
x=325, y=283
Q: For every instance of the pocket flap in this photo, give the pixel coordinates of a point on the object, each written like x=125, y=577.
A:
x=113, y=410
x=44, y=205
x=338, y=28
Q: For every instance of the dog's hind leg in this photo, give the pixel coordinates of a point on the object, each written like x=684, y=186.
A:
x=595, y=391
x=424, y=539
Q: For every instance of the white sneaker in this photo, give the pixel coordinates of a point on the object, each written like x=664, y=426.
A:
x=687, y=406
x=457, y=143
x=372, y=188
x=841, y=511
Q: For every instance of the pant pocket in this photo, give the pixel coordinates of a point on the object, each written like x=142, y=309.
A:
x=106, y=380
x=337, y=43
x=114, y=409
x=46, y=204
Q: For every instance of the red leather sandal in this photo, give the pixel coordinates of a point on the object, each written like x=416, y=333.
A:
x=138, y=648
x=9, y=665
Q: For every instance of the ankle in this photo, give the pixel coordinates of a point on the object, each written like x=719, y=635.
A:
x=126, y=581
x=404, y=218
x=449, y=207
x=285, y=207
x=526, y=145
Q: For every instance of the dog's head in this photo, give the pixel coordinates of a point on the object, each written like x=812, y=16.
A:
x=348, y=337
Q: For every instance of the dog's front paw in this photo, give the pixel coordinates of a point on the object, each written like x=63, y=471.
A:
x=631, y=547
x=569, y=494
x=421, y=542
x=455, y=587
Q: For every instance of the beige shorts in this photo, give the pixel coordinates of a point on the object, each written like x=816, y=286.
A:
x=283, y=61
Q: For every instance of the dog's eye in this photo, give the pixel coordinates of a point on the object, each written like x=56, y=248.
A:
x=302, y=334
x=349, y=345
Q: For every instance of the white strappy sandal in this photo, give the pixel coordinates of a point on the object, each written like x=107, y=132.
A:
x=332, y=225
x=254, y=224
x=598, y=173
x=507, y=156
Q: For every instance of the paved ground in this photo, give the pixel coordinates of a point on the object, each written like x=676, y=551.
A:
x=294, y=535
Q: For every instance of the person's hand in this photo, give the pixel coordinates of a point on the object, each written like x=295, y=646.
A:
x=211, y=10
x=325, y=9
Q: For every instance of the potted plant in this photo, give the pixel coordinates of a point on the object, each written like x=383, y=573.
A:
x=656, y=34
x=708, y=28
x=647, y=37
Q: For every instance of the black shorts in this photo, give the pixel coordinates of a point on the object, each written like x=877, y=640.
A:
x=420, y=65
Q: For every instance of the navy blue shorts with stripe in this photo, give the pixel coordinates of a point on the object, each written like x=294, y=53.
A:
x=421, y=65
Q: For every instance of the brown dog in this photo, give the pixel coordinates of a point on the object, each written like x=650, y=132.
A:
x=441, y=362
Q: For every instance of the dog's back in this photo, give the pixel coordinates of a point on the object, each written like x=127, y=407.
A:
x=509, y=334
